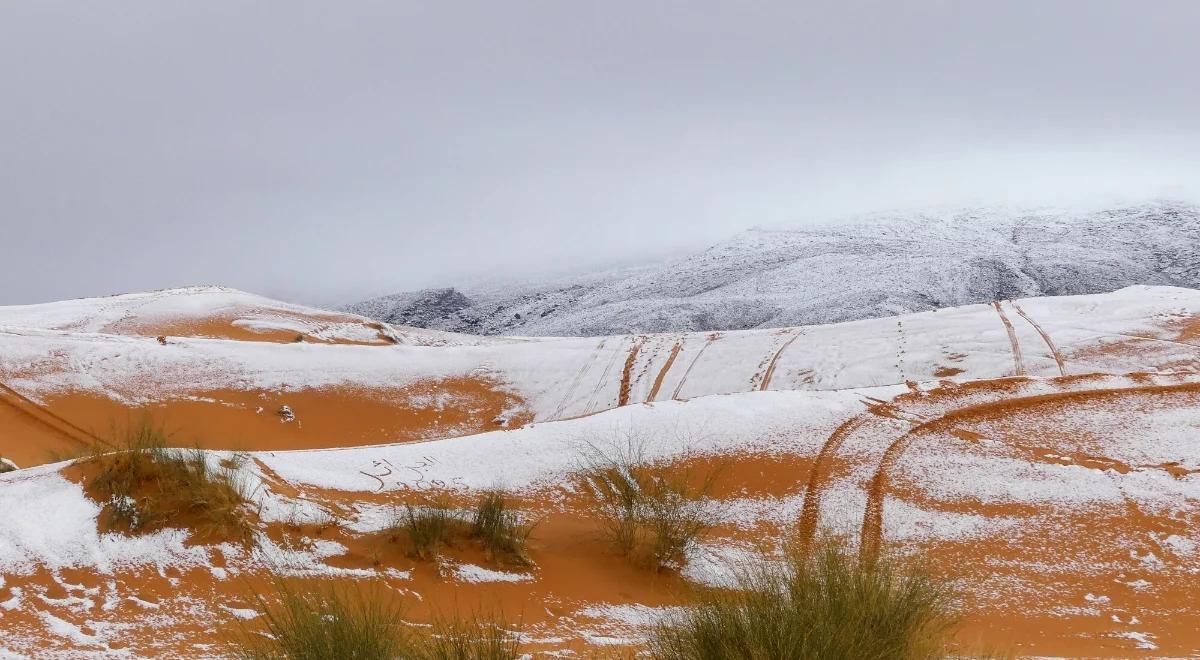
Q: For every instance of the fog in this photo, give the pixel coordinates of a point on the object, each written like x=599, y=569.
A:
x=326, y=152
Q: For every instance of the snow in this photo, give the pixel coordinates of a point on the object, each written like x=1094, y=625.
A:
x=1108, y=457
x=475, y=574
x=69, y=630
x=847, y=269
x=633, y=615
x=546, y=454
x=1144, y=640
x=559, y=378
x=47, y=521
x=241, y=612
x=718, y=565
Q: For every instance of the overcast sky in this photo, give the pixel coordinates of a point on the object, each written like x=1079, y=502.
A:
x=323, y=152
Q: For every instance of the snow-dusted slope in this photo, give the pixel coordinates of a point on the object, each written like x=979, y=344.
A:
x=1064, y=502
x=198, y=311
x=1134, y=329
x=875, y=266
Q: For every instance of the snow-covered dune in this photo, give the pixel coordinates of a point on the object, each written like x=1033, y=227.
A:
x=1019, y=444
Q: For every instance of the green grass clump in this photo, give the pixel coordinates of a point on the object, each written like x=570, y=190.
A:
x=651, y=512
x=145, y=485
x=820, y=606
x=500, y=529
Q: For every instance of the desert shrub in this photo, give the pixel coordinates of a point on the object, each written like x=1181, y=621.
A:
x=468, y=638
x=650, y=511
x=822, y=605
x=145, y=485
x=500, y=529
x=426, y=528
x=318, y=624
x=299, y=623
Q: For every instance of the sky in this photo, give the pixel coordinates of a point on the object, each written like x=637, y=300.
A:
x=324, y=152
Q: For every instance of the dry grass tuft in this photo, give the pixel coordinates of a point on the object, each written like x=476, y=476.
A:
x=653, y=513
x=317, y=623
x=500, y=529
x=427, y=528
x=823, y=605
x=476, y=637
x=144, y=485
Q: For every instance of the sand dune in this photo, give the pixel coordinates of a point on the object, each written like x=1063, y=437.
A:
x=1038, y=450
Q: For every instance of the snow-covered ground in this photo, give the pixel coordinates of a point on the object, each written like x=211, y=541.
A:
x=559, y=378
x=1068, y=497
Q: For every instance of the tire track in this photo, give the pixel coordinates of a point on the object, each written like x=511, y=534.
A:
x=1058, y=358
x=627, y=374
x=663, y=372
x=562, y=406
x=600, y=383
x=766, y=381
x=678, y=388
x=871, y=538
x=818, y=479
x=1018, y=361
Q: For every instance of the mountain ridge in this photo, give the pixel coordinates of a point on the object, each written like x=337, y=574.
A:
x=877, y=265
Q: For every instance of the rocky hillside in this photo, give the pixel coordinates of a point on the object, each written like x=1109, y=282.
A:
x=872, y=266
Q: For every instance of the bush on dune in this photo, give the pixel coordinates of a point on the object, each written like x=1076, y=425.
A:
x=477, y=637
x=651, y=512
x=821, y=605
x=145, y=485
x=500, y=529
x=299, y=623
x=317, y=624
x=426, y=528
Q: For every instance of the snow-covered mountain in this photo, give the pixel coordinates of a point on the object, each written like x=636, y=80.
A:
x=867, y=267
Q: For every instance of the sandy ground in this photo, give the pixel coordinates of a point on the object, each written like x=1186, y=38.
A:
x=1044, y=464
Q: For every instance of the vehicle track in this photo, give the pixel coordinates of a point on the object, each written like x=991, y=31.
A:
x=678, y=388
x=627, y=373
x=1058, y=358
x=1018, y=361
x=662, y=373
x=818, y=479
x=578, y=377
x=603, y=380
x=766, y=381
x=872, y=528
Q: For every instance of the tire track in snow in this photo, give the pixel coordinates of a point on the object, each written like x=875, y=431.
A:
x=600, y=383
x=1058, y=358
x=678, y=388
x=627, y=373
x=871, y=539
x=578, y=377
x=766, y=381
x=818, y=479
x=1018, y=361
x=663, y=372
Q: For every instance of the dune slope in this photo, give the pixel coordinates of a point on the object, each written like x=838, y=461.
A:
x=1038, y=451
